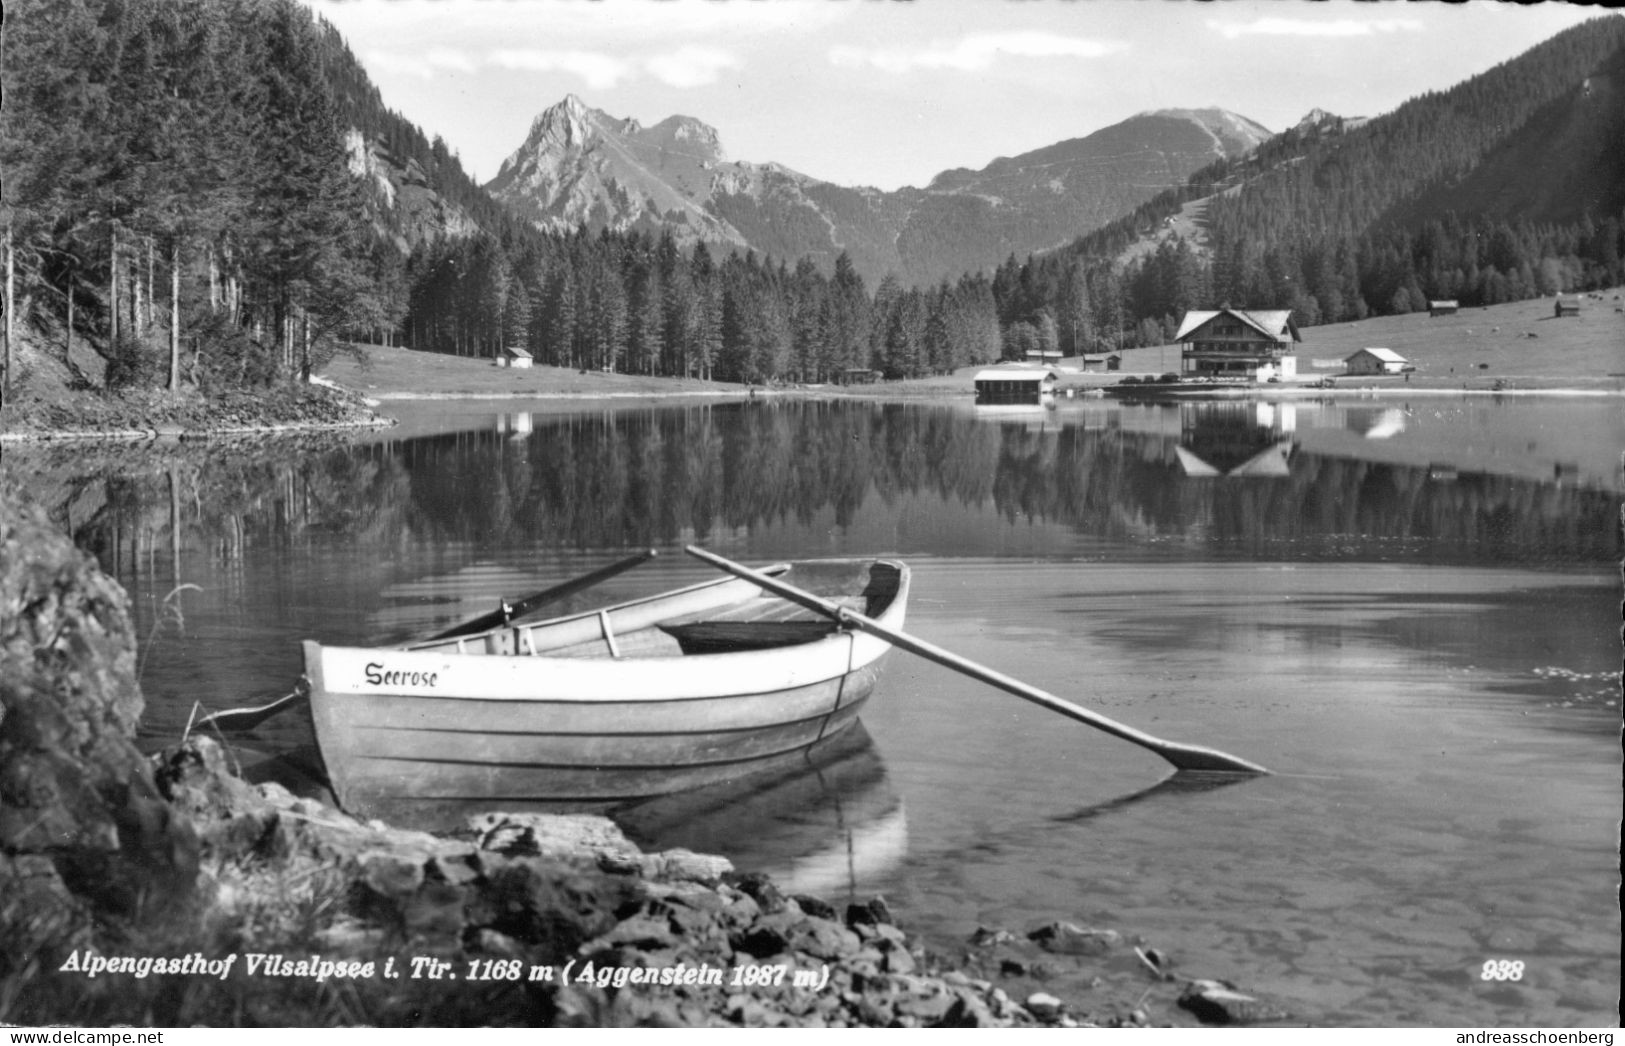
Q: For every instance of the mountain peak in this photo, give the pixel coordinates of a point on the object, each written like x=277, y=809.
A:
x=1232, y=132
x=581, y=165
x=687, y=135
x=567, y=122
x=1319, y=120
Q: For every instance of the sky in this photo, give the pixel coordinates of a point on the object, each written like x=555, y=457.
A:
x=888, y=93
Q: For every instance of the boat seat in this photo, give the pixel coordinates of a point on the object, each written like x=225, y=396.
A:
x=726, y=637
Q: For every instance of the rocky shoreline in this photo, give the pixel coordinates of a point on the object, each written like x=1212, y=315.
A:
x=167, y=891
x=152, y=415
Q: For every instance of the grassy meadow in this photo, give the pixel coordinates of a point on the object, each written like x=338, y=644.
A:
x=394, y=373
x=1516, y=346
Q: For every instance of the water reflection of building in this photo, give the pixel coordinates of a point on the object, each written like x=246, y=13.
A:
x=1375, y=422
x=1035, y=417
x=1236, y=438
x=514, y=424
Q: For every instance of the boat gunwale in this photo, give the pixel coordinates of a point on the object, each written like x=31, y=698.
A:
x=737, y=670
x=450, y=645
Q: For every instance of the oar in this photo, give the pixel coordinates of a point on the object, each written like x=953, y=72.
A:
x=507, y=612
x=1182, y=756
x=248, y=718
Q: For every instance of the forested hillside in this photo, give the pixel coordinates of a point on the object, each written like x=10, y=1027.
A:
x=211, y=193
x=1508, y=186
x=177, y=196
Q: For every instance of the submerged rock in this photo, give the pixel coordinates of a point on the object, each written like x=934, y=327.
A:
x=871, y=913
x=1218, y=1002
x=1063, y=938
x=1044, y=1005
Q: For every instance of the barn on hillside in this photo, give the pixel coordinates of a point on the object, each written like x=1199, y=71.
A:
x=1377, y=361
x=515, y=357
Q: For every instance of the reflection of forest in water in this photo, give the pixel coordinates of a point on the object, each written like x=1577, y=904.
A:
x=632, y=478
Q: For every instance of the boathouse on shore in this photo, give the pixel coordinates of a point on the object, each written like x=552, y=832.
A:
x=1254, y=345
x=1013, y=385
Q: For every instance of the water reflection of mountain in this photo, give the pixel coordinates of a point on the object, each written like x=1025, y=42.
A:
x=635, y=478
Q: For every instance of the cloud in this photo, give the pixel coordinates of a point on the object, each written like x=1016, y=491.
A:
x=975, y=52
x=1306, y=27
x=449, y=58
x=690, y=66
x=402, y=64
x=600, y=71
x=593, y=24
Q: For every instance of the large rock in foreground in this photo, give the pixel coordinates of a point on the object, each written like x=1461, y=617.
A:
x=542, y=920
x=80, y=818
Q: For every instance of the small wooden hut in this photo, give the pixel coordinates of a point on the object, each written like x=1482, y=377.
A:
x=1376, y=361
x=1012, y=385
x=515, y=357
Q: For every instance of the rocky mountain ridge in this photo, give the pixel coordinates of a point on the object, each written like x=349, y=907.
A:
x=580, y=165
x=402, y=203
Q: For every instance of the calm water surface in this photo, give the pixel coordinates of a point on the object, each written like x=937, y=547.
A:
x=1409, y=610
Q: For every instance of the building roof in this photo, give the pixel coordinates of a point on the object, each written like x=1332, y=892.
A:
x=1013, y=374
x=1451, y=304
x=1275, y=324
x=516, y=352
x=1385, y=355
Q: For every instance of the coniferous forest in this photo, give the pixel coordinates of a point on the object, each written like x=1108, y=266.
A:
x=186, y=196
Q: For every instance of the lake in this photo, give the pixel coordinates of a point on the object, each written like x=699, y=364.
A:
x=1408, y=608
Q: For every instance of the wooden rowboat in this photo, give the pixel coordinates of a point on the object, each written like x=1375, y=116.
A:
x=656, y=695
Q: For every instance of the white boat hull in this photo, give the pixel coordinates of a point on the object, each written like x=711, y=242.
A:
x=483, y=720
